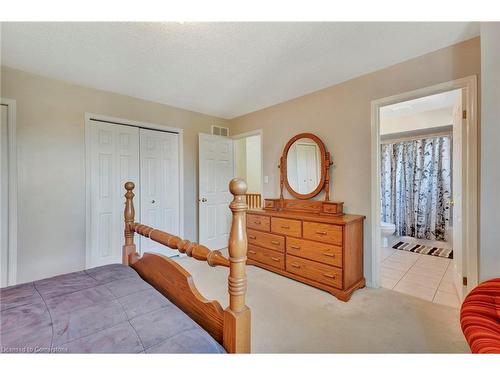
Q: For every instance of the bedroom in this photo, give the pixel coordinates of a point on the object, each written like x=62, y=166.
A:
x=89, y=115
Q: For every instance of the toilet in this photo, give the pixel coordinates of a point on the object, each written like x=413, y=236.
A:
x=387, y=230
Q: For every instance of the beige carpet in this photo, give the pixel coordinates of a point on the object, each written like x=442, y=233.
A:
x=290, y=317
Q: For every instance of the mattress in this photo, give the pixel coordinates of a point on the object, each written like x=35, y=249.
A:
x=107, y=309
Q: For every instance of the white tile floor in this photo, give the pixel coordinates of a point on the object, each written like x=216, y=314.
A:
x=423, y=276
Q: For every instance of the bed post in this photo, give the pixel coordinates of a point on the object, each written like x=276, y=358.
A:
x=129, y=215
x=236, y=333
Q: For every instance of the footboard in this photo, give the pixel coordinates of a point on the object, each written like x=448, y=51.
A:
x=230, y=327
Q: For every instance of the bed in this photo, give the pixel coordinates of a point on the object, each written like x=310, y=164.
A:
x=147, y=304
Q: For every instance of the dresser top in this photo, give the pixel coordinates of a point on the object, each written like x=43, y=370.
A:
x=340, y=220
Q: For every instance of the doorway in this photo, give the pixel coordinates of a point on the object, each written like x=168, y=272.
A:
x=248, y=165
x=119, y=151
x=424, y=193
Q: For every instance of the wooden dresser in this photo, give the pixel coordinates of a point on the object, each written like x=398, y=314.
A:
x=311, y=241
x=319, y=250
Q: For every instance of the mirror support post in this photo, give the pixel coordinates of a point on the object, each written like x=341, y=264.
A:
x=282, y=177
x=327, y=176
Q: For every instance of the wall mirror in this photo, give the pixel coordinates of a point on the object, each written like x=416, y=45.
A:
x=304, y=166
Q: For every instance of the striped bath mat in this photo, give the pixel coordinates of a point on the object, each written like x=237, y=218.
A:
x=427, y=250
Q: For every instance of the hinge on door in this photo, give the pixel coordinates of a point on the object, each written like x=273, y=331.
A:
x=464, y=114
x=464, y=281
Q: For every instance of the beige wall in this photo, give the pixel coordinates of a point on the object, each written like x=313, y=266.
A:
x=489, y=249
x=240, y=157
x=248, y=163
x=254, y=164
x=50, y=133
x=340, y=116
x=50, y=126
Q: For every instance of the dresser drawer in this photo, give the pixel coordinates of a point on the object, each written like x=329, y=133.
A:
x=267, y=240
x=323, y=232
x=270, y=257
x=259, y=222
x=320, y=252
x=286, y=226
x=315, y=271
x=333, y=208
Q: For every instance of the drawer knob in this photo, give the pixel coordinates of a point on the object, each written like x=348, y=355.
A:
x=329, y=255
x=295, y=247
x=285, y=226
x=295, y=265
x=330, y=276
x=275, y=242
x=275, y=259
x=251, y=236
x=257, y=222
x=320, y=232
x=252, y=252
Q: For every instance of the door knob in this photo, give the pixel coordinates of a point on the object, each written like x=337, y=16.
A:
x=153, y=201
x=203, y=199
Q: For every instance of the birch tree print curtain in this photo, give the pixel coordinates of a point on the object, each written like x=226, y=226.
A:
x=416, y=187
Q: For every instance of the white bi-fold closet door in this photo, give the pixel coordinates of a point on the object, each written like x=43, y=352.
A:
x=159, y=187
x=149, y=158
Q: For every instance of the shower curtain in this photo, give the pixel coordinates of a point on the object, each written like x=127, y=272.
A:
x=416, y=187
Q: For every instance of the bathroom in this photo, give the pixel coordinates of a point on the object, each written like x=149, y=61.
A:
x=417, y=186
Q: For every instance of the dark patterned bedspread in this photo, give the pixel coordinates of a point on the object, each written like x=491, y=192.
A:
x=107, y=309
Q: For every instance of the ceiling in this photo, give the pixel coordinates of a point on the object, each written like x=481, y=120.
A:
x=446, y=99
x=222, y=69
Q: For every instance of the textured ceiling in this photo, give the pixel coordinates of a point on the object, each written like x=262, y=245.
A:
x=222, y=69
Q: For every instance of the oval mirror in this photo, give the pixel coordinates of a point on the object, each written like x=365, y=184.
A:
x=304, y=165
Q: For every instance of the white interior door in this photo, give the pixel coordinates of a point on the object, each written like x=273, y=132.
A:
x=114, y=160
x=458, y=186
x=216, y=169
x=4, y=196
x=159, y=155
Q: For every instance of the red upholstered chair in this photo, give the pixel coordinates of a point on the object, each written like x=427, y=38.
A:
x=480, y=317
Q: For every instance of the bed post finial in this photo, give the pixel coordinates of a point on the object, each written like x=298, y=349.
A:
x=129, y=215
x=237, y=315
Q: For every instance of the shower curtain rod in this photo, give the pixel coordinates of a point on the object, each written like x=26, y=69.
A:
x=416, y=137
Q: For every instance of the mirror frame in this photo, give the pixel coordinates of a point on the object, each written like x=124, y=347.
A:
x=325, y=164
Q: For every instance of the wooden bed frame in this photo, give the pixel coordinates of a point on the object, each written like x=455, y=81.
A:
x=230, y=327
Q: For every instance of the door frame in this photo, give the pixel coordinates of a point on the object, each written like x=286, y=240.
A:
x=249, y=134
x=13, y=187
x=469, y=194
x=138, y=124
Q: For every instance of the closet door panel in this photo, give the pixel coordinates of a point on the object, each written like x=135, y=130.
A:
x=159, y=159
x=114, y=159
